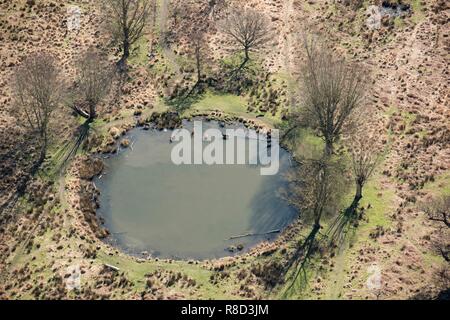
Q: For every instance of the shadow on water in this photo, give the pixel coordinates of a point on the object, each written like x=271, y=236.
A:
x=269, y=210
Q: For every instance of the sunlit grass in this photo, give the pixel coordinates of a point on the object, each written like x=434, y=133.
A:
x=139, y=54
x=440, y=186
x=227, y=103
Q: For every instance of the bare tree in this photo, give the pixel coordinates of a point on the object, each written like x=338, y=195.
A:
x=320, y=185
x=38, y=91
x=365, y=157
x=331, y=91
x=94, y=82
x=126, y=21
x=248, y=29
x=438, y=209
x=198, y=48
x=316, y=188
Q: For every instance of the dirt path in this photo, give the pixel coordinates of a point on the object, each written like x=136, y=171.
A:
x=286, y=37
x=168, y=53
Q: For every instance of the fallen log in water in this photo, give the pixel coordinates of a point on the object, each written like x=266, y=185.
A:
x=254, y=234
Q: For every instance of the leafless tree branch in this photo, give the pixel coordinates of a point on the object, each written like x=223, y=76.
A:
x=126, y=22
x=94, y=81
x=38, y=90
x=331, y=92
x=248, y=29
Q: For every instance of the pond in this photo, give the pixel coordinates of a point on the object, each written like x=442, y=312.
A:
x=151, y=205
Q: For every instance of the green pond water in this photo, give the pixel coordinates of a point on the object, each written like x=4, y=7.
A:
x=187, y=211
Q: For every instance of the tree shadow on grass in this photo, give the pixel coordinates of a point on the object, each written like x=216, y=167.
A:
x=341, y=227
x=296, y=270
x=184, y=102
x=71, y=147
x=56, y=165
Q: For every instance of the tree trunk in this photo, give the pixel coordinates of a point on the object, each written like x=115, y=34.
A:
x=92, y=111
x=359, y=187
x=358, y=196
x=126, y=49
x=328, y=147
x=316, y=228
x=247, y=55
x=125, y=55
x=42, y=154
x=246, y=59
